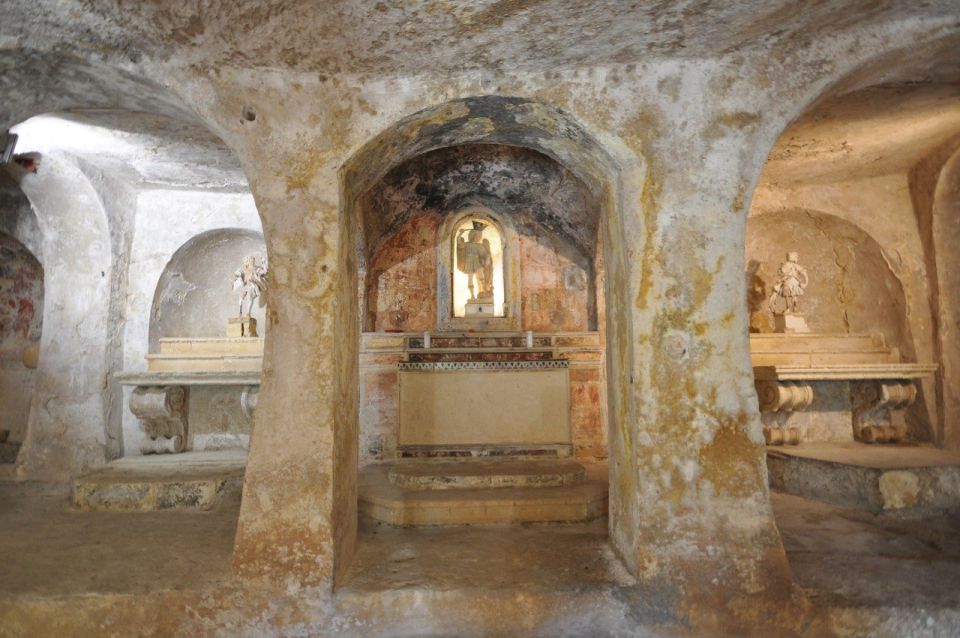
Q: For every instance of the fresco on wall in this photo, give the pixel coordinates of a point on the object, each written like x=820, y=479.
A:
x=555, y=217
x=21, y=316
x=21, y=297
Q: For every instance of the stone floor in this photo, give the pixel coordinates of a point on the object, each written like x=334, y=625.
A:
x=51, y=549
x=860, y=564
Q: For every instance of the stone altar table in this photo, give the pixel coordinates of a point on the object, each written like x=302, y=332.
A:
x=161, y=393
x=865, y=377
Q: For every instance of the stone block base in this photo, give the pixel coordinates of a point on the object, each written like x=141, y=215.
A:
x=243, y=326
x=894, y=478
x=479, y=309
x=790, y=322
x=193, y=480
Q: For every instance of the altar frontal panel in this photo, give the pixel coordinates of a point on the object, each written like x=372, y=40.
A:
x=484, y=403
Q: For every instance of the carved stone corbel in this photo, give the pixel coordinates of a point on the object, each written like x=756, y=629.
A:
x=778, y=401
x=878, y=409
x=162, y=413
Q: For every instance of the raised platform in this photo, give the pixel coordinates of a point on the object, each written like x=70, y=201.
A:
x=908, y=479
x=192, y=480
x=482, y=492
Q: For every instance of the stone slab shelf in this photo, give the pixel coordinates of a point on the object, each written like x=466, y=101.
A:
x=242, y=378
x=844, y=372
x=394, y=504
x=897, y=478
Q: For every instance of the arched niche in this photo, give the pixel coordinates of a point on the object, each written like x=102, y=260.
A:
x=852, y=289
x=453, y=285
x=549, y=218
x=21, y=318
x=194, y=296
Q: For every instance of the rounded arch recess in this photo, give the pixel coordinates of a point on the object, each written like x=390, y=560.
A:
x=194, y=295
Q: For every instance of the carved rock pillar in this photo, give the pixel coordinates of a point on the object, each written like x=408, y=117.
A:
x=779, y=400
x=878, y=409
x=162, y=413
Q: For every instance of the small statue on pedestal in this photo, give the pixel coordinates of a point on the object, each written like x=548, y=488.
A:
x=251, y=280
x=475, y=260
x=784, y=303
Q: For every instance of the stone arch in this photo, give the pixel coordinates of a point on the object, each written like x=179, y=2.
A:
x=193, y=296
x=69, y=393
x=76, y=84
x=945, y=299
x=332, y=531
x=531, y=124
x=918, y=53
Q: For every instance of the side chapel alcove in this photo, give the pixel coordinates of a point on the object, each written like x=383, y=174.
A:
x=544, y=187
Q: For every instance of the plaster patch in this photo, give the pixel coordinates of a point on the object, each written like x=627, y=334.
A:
x=899, y=489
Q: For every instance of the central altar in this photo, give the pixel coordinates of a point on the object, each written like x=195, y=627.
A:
x=471, y=402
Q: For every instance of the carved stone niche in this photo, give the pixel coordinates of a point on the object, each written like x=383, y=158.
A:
x=878, y=407
x=778, y=401
x=162, y=414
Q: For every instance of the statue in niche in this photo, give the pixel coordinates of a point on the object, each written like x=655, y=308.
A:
x=475, y=260
x=784, y=302
x=791, y=281
x=251, y=281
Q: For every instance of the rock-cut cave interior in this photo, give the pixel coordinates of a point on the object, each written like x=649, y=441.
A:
x=493, y=318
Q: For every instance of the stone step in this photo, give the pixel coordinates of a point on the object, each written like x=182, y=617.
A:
x=218, y=345
x=485, y=474
x=903, y=478
x=389, y=503
x=775, y=342
x=558, y=450
x=192, y=480
x=204, y=362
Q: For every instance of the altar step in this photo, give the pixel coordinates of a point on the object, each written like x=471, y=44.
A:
x=481, y=492
x=525, y=451
x=908, y=479
x=192, y=480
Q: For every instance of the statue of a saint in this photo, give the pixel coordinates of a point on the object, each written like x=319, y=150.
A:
x=475, y=260
x=251, y=281
x=792, y=279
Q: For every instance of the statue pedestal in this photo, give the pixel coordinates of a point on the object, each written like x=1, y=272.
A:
x=790, y=322
x=479, y=309
x=242, y=326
